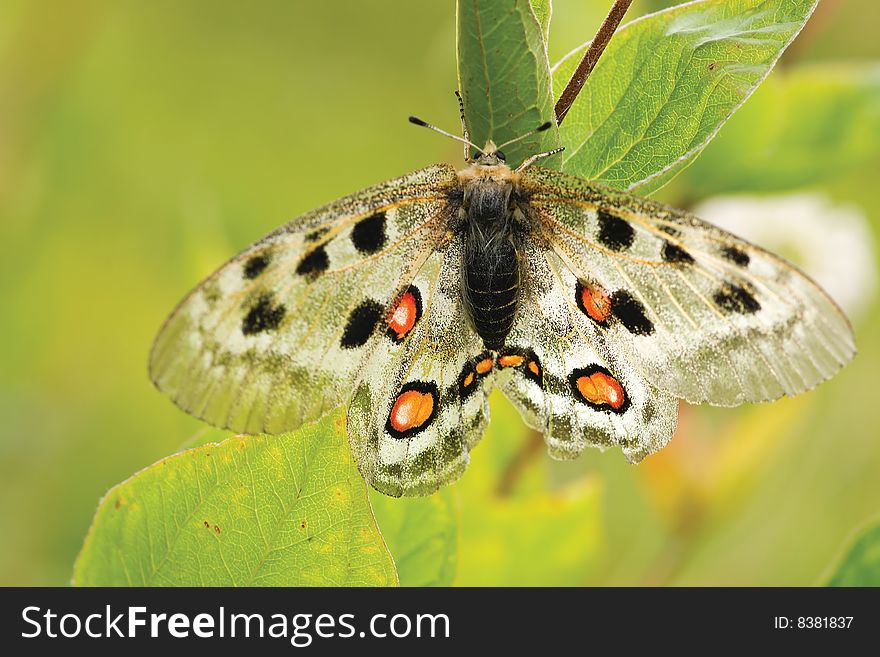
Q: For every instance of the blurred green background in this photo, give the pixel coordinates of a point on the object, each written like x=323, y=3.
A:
x=142, y=144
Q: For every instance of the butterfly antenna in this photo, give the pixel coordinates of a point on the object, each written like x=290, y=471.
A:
x=535, y=158
x=464, y=129
x=540, y=128
x=425, y=124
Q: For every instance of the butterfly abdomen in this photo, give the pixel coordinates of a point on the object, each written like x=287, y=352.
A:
x=492, y=280
x=491, y=276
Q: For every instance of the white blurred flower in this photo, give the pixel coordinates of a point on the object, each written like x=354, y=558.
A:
x=831, y=243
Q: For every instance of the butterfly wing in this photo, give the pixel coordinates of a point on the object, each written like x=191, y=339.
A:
x=277, y=335
x=420, y=406
x=567, y=377
x=703, y=315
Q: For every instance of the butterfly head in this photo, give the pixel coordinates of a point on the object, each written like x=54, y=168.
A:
x=490, y=156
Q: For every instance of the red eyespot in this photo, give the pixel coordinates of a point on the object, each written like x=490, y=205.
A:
x=404, y=314
x=593, y=301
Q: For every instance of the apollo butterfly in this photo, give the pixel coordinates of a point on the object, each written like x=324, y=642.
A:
x=594, y=311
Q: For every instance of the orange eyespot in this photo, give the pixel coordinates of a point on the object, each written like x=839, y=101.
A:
x=524, y=360
x=594, y=302
x=600, y=388
x=467, y=381
x=411, y=410
x=404, y=314
x=484, y=365
x=511, y=360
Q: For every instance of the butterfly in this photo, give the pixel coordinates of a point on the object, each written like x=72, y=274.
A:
x=594, y=311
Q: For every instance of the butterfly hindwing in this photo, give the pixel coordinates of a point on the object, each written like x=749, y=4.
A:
x=277, y=336
x=420, y=408
x=572, y=383
x=702, y=314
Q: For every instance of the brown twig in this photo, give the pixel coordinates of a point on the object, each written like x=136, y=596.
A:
x=517, y=466
x=591, y=58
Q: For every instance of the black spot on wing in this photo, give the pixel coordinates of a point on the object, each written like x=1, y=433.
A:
x=736, y=299
x=368, y=235
x=674, y=253
x=315, y=235
x=631, y=313
x=264, y=315
x=361, y=324
x=615, y=233
x=736, y=255
x=670, y=230
x=256, y=265
x=314, y=262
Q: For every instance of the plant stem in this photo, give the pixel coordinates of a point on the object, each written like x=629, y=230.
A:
x=591, y=58
x=517, y=466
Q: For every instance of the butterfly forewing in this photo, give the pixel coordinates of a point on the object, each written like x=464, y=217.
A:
x=277, y=336
x=702, y=314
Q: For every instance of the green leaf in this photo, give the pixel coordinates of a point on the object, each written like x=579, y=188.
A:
x=504, y=76
x=860, y=565
x=543, y=10
x=422, y=534
x=667, y=83
x=809, y=124
x=285, y=510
